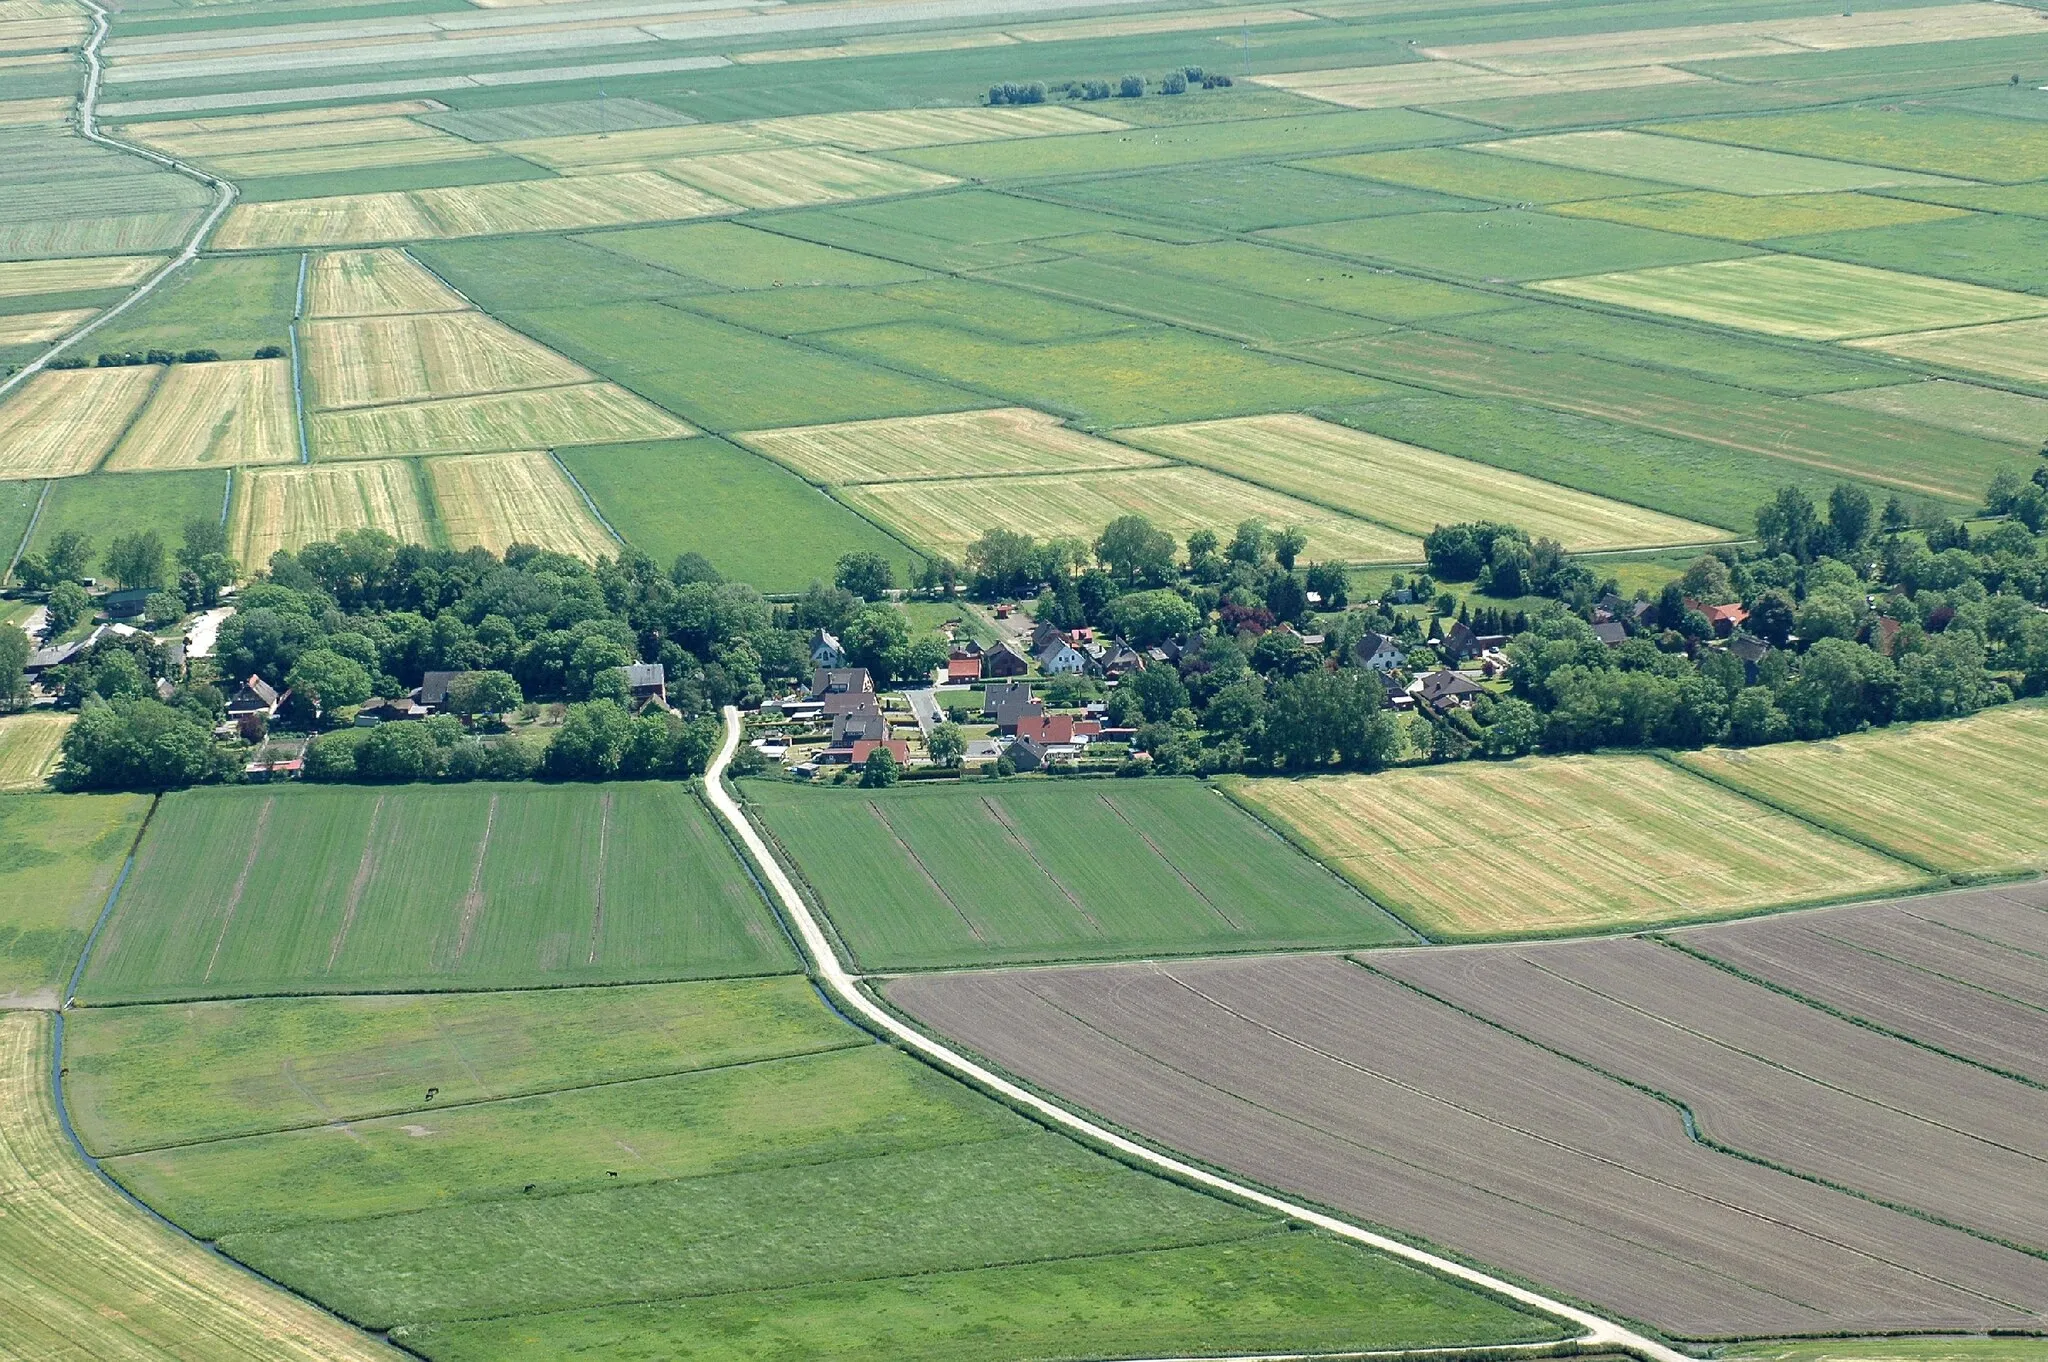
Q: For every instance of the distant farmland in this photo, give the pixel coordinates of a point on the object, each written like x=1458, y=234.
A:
x=975, y=875
x=1834, y=1178
x=349, y=889
x=1484, y=849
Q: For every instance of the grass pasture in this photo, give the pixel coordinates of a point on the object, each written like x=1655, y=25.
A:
x=1728, y=169
x=232, y=305
x=288, y=508
x=580, y=413
x=1409, y=488
x=897, y=129
x=91, y=1276
x=1788, y=295
x=497, y=500
x=1940, y=141
x=1960, y=796
x=375, y=284
x=2004, y=349
x=969, y=875
x=1441, y=82
x=29, y=749
x=1456, y=170
x=1738, y=217
x=953, y=445
x=1507, y=244
x=1486, y=850
x=1991, y=413
x=754, y=520
x=109, y=504
x=375, y=361
x=62, y=853
x=64, y=421
x=201, y=415
x=945, y=516
x=729, y=255
x=1999, y=250
x=348, y=889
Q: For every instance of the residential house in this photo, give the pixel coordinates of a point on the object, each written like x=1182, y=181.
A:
x=374, y=712
x=126, y=604
x=1751, y=650
x=994, y=697
x=1726, y=619
x=57, y=655
x=839, y=681
x=962, y=671
x=433, y=690
x=1455, y=640
x=1060, y=658
x=1114, y=661
x=1027, y=754
x=1005, y=659
x=1380, y=653
x=1612, y=633
x=647, y=681
x=966, y=647
x=255, y=696
x=836, y=703
x=1444, y=690
x=826, y=652
x=853, y=727
x=865, y=748
x=1062, y=730
x=1395, y=686
x=1012, y=712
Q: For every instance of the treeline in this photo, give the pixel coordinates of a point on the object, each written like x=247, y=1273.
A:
x=1175, y=82
x=126, y=359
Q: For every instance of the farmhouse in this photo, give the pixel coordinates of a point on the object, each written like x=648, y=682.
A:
x=1725, y=618
x=1454, y=640
x=647, y=681
x=1005, y=659
x=255, y=696
x=433, y=691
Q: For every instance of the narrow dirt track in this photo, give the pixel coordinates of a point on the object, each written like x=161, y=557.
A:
x=88, y=126
x=845, y=988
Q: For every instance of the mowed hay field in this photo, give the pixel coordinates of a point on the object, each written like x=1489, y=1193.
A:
x=287, y=508
x=1410, y=488
x=29, y=749
x=33, y=328
x=497, y=500
x=1739, y=217
x=580, y=414
x=1564, y=844
x=956, y=444
x=1787, y=295
x=21, y=278
x=63, y=854
x=793, y=176
x=63, y=422
x=209, y=415
x=89, y=1275
x=965, y=875
x=946, y=516
x=2008, y=350
x=1964, y=795
x=375, y=284
x=312, y=890
x=368, y=361
x=1731, y=169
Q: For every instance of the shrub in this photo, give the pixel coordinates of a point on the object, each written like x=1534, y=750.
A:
x=1130, y=87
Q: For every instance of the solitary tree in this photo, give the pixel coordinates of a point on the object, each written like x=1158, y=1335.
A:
x=879, y=771
x=866, y=574
x=946, y=745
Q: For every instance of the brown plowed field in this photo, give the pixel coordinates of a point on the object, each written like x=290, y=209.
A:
x=1547, y=1157
x=1961, y=972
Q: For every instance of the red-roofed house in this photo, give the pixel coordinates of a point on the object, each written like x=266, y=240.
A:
x=1726, y=619
x=1058, y=730
x=898, y=749
x=962, y=669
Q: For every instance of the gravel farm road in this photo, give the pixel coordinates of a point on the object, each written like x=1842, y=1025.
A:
x=845, y=989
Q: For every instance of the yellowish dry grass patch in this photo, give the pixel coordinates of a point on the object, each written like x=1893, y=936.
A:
x=213, y=415
x=957, y=444
x=1409, y=488
x=288, y=508
x=1791, y=295
x=2008, y=350
x=877, y=47
x=342, y=220
x=792, y=176
x=383, y=283
x=1181, y=21
x=1447, y=82
x=638, y=148
x=893, y=129
x=1564, y=844
x=584, y=414
x=1961, y=795
x=497, y=500
x=63, y=421
x=946, y=516
x=559, y=205
x=20, y=278
x=358, y=156
x=282, y=118
x=29, y=749
x=33, y=328
x=206, y=139
x=89, y=1275
x=24, y=113
x=364, y=361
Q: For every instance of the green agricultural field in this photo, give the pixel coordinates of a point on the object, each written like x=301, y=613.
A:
x=1730, y=169
x=1416, y=839
x=179, y=1074
x=1246, y=197
x=984, y=305
x=1186, y=144
x=978, y=875
x=731, y=256
x=520, y=273
x=235, y=306
x=1940, y=141
x=1453, y=170
x=2013, y=1349
x=1790, y=295
x=1737, y=217
x=981, y=217
x=1964, y=795
x=1216, y=308
x=1991, y=413
x=328, y=890
x=1507, y=244
x=755, y=521
x=663, y=354
x=1997, y=250
x=886, y=241
x=108, y=504
x=61, y=855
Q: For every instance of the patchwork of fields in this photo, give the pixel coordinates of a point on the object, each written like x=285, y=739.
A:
x=1820, y=1134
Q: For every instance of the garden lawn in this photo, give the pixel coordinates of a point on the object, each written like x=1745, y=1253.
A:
x=975, y=874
